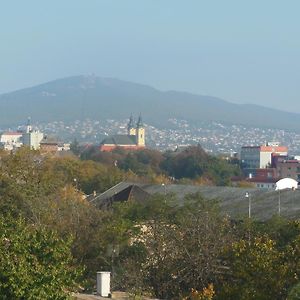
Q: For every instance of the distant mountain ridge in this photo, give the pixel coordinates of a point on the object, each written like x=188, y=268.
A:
x=81, y=97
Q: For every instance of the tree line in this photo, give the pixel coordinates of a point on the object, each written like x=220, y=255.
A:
x=191, y=165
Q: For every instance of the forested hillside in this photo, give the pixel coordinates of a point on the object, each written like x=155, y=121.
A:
x=97, y=98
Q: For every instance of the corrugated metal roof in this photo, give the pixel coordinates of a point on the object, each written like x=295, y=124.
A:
x=232, y=200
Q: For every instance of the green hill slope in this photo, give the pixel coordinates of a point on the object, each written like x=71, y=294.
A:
x=81, y=97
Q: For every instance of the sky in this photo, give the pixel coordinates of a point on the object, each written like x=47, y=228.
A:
x=240, y=51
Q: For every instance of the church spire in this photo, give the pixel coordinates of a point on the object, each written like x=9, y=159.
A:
x=130, y=127
x=28, y=126
x=140, y=132
x=139, y=123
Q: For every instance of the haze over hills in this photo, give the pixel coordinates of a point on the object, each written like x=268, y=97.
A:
x=81, y=97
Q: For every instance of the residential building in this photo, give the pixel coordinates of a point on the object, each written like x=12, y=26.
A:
x=260, y=157
x=263, y=183
x=11, y=140
x=288, y=169
x=49, y=145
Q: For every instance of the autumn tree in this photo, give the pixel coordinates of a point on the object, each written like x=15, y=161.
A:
x=179, y=246
x=258, y=270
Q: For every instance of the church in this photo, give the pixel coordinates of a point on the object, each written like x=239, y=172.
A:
x=134, y=140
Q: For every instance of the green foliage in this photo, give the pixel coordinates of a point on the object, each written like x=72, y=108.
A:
x=258, y=270
x=171, y=249
x=176, y=248
x=75, y=147
x=154, y=247
x=34, y=263
x=294, y=294
x=193, y=164
x=43, y=191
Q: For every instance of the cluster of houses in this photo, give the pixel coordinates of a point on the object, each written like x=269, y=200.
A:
x=265, y=165
x=34, y=139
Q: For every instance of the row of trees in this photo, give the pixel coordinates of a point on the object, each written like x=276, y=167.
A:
x=192, y=164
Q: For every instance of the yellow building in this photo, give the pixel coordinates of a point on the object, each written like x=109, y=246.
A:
x=140, y=133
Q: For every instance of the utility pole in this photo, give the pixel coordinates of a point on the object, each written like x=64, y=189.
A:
x=165, y=191
x=279, y=203
x=248, y=196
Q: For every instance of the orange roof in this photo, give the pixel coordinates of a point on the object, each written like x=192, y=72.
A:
x=273, y=149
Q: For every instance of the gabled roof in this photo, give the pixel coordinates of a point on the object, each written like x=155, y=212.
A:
x=119, y=140
x=232, y=200
x=49, y=140
x=120, y=193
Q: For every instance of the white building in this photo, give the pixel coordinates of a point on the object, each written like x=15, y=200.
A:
x=33, y=139
x=11, y=140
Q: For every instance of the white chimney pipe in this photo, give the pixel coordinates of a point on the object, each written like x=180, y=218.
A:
x=103, y=284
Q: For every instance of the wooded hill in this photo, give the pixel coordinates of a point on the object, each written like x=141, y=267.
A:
x=81, y=97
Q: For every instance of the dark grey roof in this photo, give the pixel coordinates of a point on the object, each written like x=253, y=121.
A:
x=232, y=200
x=129, y=193
x=110, y=192
x=120, y=140
x=50, y=140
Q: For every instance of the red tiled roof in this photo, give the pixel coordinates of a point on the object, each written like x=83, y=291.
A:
x=12, y=133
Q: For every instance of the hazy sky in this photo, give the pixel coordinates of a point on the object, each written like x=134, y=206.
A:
x=241, y=51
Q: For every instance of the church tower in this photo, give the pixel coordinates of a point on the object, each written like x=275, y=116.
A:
x=28, y=126
x=131, y=130
x=140, y=133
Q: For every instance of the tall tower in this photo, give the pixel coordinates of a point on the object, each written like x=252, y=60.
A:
x=140, y=132
x=131, y=130
x=28, y=126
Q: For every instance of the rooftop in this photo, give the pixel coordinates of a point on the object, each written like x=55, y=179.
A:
x=119, y=140
x=232, y=199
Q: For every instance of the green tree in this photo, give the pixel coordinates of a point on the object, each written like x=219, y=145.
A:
x=195, y=163
x=34, y=262
x=75, y=147
x=177, y=248
x=257, y=271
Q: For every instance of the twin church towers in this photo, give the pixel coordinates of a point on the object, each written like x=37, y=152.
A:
x=134, y=140
x=137, y=130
